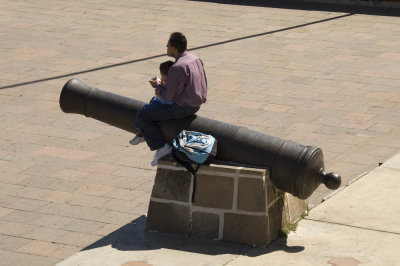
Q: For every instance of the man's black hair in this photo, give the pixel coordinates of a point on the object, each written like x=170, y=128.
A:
x=178, y=40
x=165, y=66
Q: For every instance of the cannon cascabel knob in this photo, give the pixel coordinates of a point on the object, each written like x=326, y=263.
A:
x=331, y=180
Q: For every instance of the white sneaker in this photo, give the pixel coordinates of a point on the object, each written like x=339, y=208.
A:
x=136, y=140
x=161, y=152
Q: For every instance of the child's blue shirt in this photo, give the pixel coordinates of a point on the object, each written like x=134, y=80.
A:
x=162, y=101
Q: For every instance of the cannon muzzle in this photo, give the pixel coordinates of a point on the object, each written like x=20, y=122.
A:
x=293, y=167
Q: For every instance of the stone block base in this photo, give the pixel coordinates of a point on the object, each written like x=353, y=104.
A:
x=231, y=203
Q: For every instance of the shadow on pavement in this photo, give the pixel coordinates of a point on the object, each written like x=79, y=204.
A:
x=161, y=55
x=133, y=237
x=349, y=9
x=303, y=5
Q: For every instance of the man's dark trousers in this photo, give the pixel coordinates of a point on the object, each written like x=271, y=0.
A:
x=147, y=117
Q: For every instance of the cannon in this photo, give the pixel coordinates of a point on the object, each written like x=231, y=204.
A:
x=293, y=168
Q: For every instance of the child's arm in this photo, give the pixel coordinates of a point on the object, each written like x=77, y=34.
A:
x=157, y=93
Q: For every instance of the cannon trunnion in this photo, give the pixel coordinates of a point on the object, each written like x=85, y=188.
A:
x=294, y=168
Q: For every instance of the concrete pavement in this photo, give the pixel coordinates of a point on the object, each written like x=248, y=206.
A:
x=322, y=77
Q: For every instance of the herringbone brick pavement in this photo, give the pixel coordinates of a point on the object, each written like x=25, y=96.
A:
x=321, y=78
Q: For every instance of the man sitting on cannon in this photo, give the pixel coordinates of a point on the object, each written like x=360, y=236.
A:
x=186, y=88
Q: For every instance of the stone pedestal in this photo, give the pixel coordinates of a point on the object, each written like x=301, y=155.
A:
x=231, y=203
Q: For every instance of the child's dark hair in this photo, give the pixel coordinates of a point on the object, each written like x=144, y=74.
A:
x=165, y=66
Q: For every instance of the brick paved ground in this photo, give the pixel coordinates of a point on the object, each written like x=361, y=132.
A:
x=317, y=77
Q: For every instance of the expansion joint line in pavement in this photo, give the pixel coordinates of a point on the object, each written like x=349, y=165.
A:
x=244, y=251
x=353, y=226
x=161, y=55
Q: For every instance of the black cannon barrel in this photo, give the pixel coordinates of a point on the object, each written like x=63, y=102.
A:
x=293, y=167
